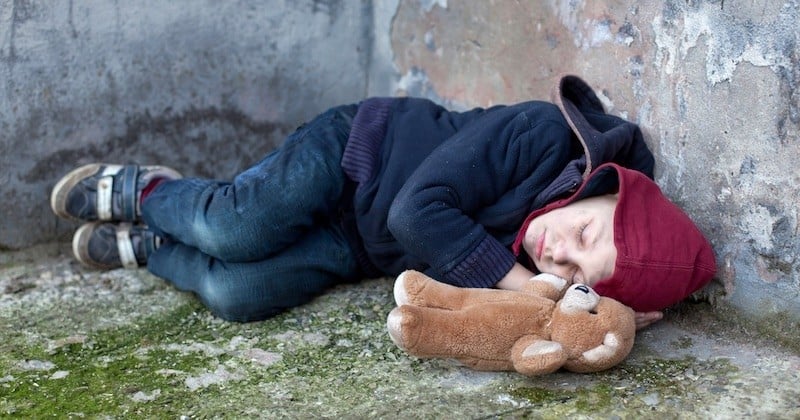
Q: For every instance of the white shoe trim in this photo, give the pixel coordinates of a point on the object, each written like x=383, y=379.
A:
x=105, y=187
x=125, y=246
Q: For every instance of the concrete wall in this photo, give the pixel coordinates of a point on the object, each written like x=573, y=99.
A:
x=205, y=86
x=210, y=86
x=714, y=84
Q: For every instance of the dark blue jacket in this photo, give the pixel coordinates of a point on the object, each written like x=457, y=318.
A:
x=445, y=192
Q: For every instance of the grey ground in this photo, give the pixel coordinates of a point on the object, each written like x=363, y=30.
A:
x=78, y=343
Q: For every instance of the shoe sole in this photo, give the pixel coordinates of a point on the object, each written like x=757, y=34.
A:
x=58, y=197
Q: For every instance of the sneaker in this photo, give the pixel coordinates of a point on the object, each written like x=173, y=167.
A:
x=114, y=245
x=100, y=191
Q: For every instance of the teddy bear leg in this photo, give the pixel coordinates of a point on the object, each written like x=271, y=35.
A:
x=407, y=323
x=415, y=288
x=394, y=324
x=424, y=332
x=533, y=356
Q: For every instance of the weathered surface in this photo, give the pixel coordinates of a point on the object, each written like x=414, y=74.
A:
x=712, y=83
x=208, y=89
x=119, y=344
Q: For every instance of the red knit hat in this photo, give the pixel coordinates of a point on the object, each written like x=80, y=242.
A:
x=662, y=257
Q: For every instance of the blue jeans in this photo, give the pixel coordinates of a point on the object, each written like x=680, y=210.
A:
x=269, y=240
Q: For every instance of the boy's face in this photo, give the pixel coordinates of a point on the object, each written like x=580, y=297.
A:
x=576, y=241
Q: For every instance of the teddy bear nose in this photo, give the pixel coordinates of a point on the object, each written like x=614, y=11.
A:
x=583, y=288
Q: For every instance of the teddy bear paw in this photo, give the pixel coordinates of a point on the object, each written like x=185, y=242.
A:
x=397, y=323
x=547, y=286
x=557, y=282
x=400, y=294
x=541, y=347
x=604, y=351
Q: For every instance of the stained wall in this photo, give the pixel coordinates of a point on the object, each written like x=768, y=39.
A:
x=209, y=87
x=713, y=84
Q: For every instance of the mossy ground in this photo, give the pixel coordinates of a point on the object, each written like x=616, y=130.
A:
x=79, y=343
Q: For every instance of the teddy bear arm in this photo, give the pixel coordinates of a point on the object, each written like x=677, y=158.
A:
x=605, y=351
x=546, y=285
x=417, y=289
x=435, y=332
x=608, y=354
x=534, y=356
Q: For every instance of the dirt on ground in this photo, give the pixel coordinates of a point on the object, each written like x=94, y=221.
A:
x=82, y=343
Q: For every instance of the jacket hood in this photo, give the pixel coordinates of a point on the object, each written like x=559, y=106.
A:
x=662, y=257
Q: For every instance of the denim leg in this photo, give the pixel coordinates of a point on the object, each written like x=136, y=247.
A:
x=253, y=291
x=266, y=207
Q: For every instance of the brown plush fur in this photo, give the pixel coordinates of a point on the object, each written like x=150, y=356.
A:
x=491, y=329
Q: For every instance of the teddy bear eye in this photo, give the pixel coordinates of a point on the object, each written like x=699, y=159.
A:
x=583, y=288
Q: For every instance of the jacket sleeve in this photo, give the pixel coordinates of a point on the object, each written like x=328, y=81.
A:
x=507, y=157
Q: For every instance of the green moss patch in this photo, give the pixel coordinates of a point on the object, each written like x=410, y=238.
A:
x=120, y=344
x=654, y=385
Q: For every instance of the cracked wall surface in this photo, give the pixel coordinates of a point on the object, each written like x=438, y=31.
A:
x=209, y=88
x=712, y=83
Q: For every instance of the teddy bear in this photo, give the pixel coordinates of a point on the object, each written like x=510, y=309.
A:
x=534, y=332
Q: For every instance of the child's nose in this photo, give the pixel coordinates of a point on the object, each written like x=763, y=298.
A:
x=560, y=252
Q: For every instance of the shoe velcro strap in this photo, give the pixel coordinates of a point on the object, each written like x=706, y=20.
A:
x=151, y=243
x=105, y=188
x=129, y=197
x=125, y=246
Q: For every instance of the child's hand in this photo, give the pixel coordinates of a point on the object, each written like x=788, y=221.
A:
x=643, y=319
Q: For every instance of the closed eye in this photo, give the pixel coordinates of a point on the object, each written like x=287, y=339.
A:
x=580, y=238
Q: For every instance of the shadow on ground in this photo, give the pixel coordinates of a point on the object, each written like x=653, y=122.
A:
x=82, y=343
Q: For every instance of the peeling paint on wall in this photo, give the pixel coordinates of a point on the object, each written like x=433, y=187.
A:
x=712, y=83
x=416, y=83
x=729, y=40
x=594, y=30
x=759, y=227
x=427, y=5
